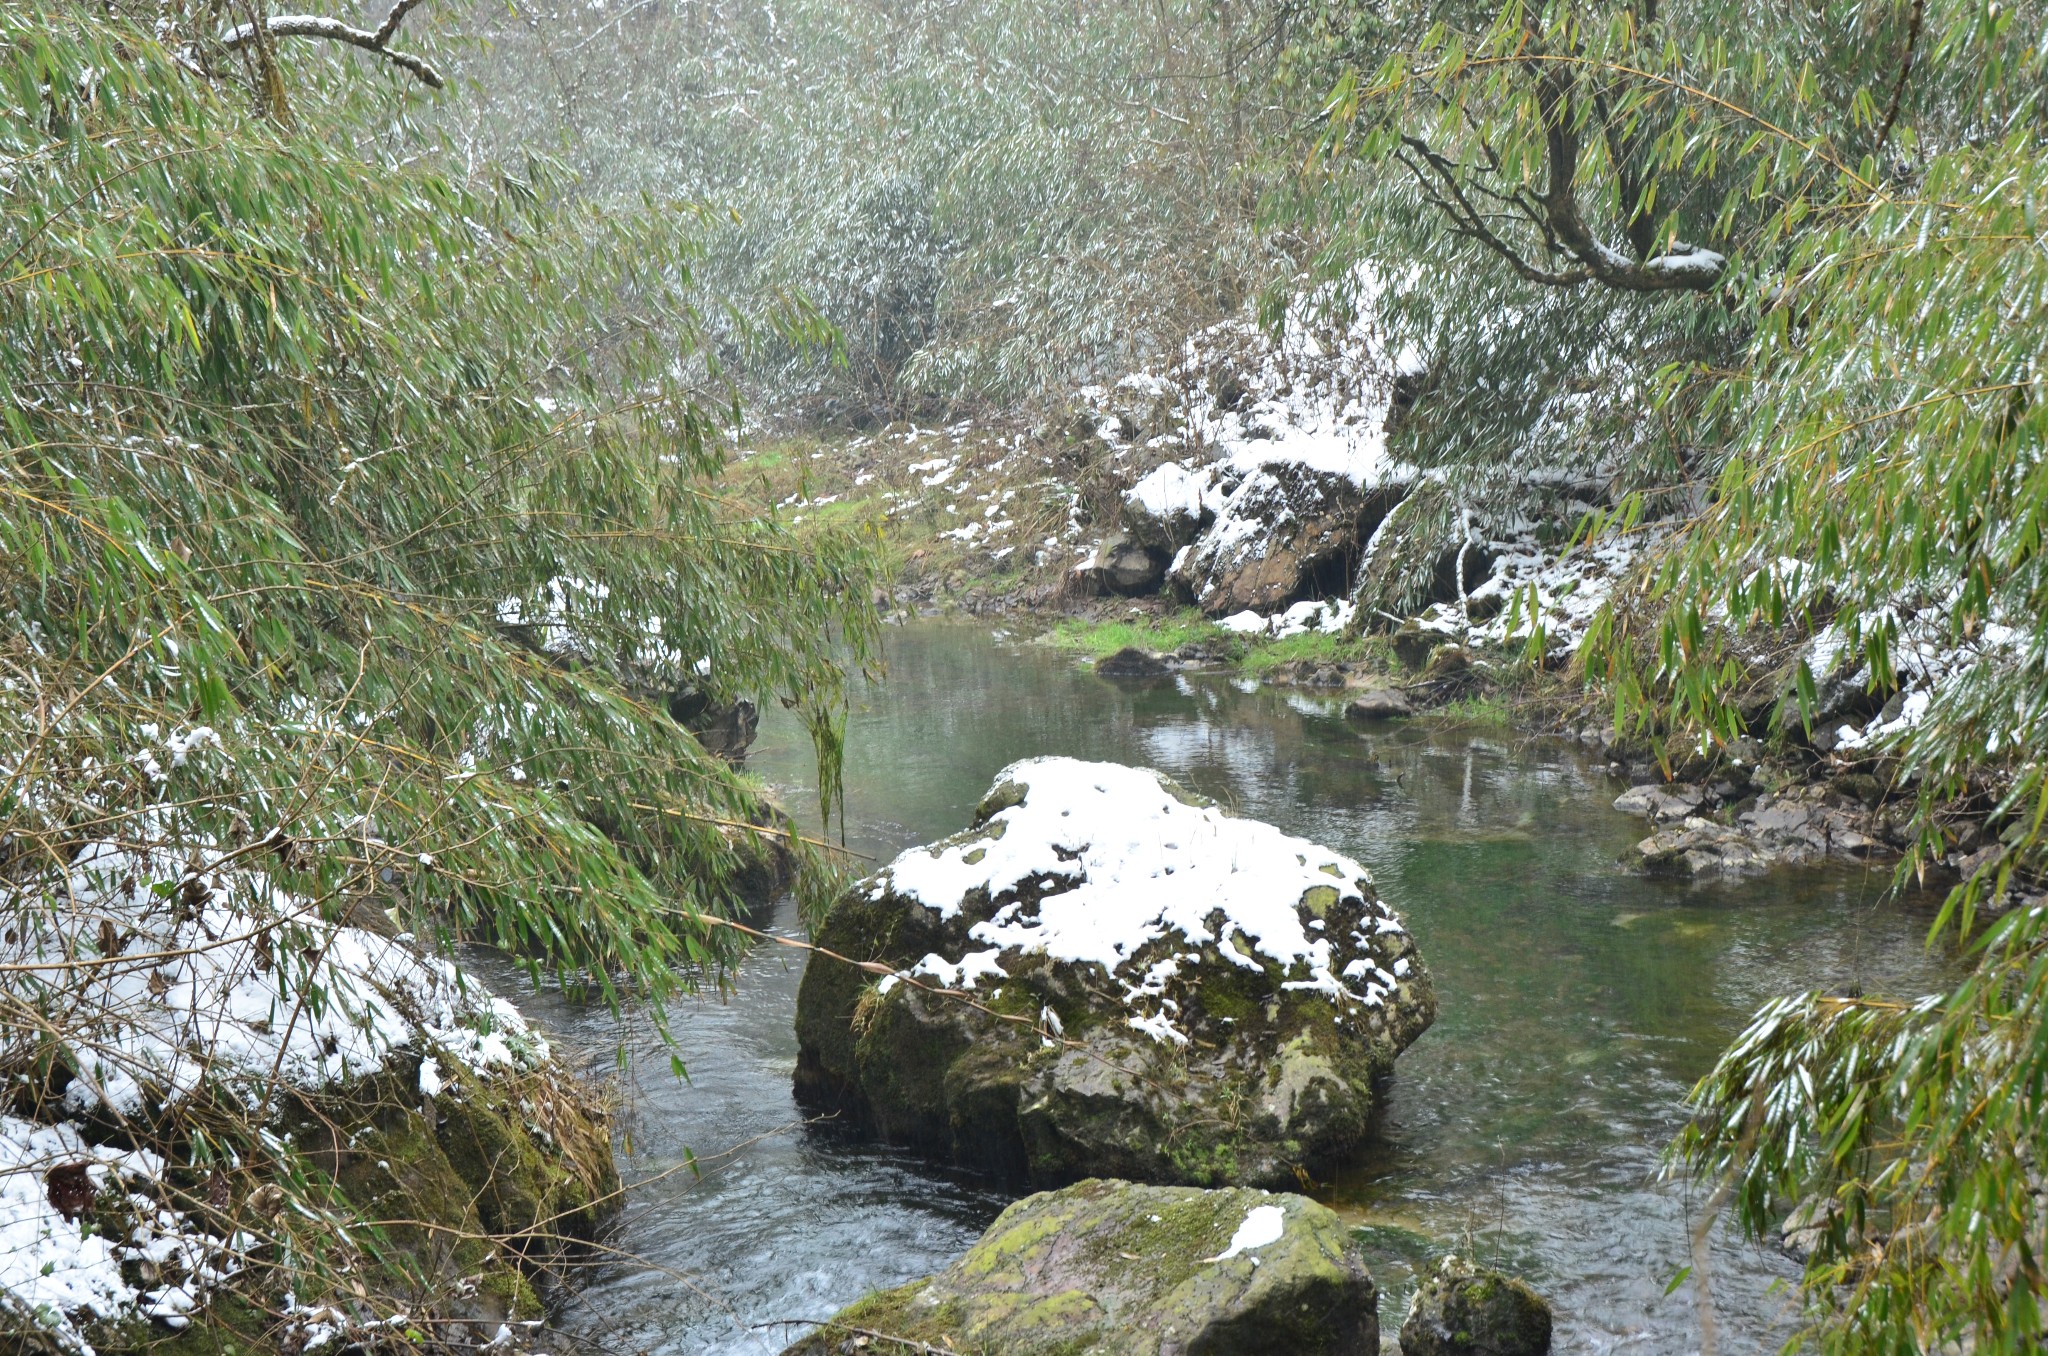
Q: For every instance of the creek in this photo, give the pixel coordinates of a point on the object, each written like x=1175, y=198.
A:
x=1579, y=1002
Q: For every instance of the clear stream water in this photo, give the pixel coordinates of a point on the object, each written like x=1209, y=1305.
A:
x=1578, y=1004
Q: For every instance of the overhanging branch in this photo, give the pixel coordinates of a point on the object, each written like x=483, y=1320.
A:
x=377, y=42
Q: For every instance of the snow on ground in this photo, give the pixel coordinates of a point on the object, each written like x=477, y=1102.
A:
x=156, y=980
x=1121, y=863
x=1560, y=591
x=1927, y=660
x=1331, y=615
x=1241, y=398
x=57, y=1268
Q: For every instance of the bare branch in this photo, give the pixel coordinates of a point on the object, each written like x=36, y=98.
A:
x=1441, y=187
x=1891, y=113
x=1682, y=267
x=334, y=30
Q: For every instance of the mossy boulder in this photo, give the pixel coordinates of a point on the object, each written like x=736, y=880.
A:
x=1466, y=1310
x=1107, y=976
x=465, y=1209
x=1112, y=1267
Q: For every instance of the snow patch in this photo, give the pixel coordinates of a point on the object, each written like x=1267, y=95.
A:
x=1263, y=1225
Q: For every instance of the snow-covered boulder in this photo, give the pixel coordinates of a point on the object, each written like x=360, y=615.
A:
x=1141, y=1270
x=1170, y=505
x=1105, y=974
x=1289, y=528
x=337, y=1073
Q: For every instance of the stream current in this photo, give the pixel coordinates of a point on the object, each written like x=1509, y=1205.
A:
x=1578, y=1003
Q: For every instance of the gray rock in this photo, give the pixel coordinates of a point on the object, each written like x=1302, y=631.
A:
x=1382, y=703
x=1676, y=801
x=1112, y=1269
x=1173, y=504
x=1132, y=662
x=1702, y=848
x=1208, y=1053
x=1133, y=571
x=1465, y=1310
x=1117, y=565
x=724, y=728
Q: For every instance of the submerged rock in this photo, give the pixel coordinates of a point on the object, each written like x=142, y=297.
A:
x=1465, y=1310
x=1380, y=703
x=1109, y=1267
x=1797, y=827
x=1701, y=847
x=1150, y=987
x=1132, y=662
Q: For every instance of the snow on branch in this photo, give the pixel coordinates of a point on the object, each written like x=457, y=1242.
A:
x=334, y=30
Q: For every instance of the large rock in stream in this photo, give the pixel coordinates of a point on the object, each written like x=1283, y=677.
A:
x=1109, y=1267
x=1106, y=975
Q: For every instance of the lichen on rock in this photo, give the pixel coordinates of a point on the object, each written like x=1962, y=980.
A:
x=1113, y=1267
x=1143, y=986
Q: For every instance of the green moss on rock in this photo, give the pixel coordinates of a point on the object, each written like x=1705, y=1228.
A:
x=1108, y=1267
x=1275, y=1077
x=1465, y=1310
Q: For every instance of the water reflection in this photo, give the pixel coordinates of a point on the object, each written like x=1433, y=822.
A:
x=1578, y=1003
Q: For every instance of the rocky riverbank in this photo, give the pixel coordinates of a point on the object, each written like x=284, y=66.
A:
x=1240, y=506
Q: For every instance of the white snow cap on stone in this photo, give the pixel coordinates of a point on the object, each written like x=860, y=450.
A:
x=1119, y=862
x=1263, y=1224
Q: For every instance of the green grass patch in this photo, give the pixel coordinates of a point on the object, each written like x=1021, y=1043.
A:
x=1166, y=634
x=1481, y=708
x=1321, y=647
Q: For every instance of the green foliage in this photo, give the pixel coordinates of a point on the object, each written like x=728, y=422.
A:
x=1320, y=647
x=1910, y=388
x=397, y=485
x=1844, y=437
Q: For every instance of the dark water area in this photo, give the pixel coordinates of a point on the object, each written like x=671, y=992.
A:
x=1579, y=1002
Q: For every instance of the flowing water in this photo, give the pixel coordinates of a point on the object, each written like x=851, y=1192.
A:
x=1578, y=1004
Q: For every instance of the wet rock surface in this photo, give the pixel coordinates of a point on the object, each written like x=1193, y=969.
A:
x=1144, y=986
x=1112, y=1267
x=1465, y=1310
x=1383, y=703
x=1132, y=662
x=1707, y=831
